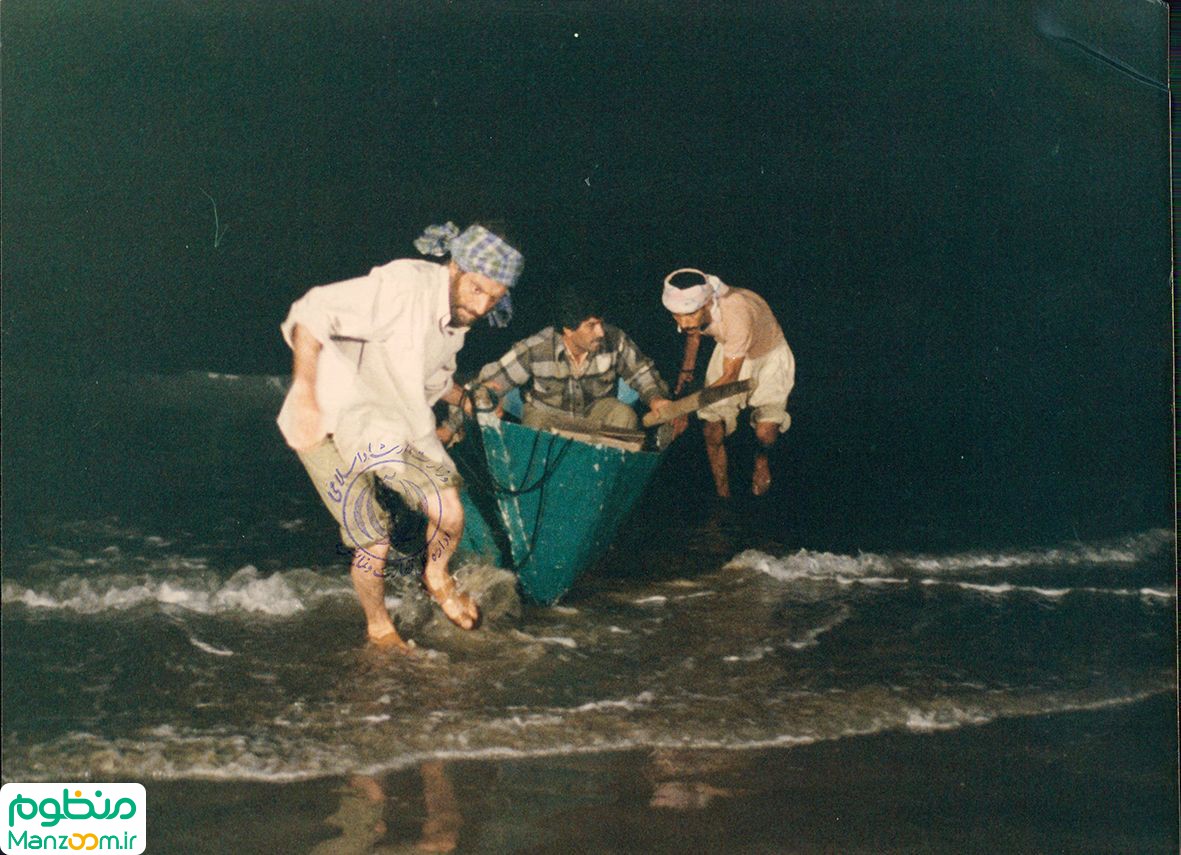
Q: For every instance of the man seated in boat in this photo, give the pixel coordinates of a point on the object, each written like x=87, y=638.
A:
x=372, y=355
x=572, y=369
x=750, y=344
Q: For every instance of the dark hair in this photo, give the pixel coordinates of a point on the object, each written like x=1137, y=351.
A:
x=686, y=279
x=571, y=306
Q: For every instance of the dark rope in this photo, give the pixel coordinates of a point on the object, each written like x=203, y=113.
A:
x=483, y=478
x=486, y=479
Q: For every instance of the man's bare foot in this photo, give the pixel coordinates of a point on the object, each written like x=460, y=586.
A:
x=389, y=640
x=460, y=609
x=760, y=480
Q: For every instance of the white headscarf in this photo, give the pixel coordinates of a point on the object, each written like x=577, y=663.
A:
x=684, y=301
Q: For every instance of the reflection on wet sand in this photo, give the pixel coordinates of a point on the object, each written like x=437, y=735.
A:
x=673, y=772
x=440, y=829
x=363, y=827
x=383, y=815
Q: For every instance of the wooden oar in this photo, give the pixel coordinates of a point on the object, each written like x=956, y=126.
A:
x=693, y=403
x=575, y=424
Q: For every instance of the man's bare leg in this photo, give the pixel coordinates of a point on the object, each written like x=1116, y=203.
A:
x=369, y=583
x=760, y=479
x=715, y=449
x=445, y=529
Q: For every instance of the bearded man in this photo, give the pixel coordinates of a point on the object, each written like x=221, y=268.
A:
x=372, y=355
x=750, y=345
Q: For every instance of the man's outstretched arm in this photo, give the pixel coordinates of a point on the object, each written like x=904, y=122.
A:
x=730, y=370
x=306, y=429
x=513, y=369
x=639, y=372
x=689, y=362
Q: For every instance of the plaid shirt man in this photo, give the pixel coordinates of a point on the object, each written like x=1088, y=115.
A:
x=543, y=359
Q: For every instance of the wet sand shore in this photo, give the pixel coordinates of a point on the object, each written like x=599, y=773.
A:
x=1094, y=781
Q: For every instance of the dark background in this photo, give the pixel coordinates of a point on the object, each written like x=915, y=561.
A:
x=959, y=213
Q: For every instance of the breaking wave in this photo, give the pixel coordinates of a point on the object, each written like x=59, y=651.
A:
x=965, y=569
x=280, y=594
x=383, y=744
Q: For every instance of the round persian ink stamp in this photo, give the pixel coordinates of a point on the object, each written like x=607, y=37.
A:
x=369, y=517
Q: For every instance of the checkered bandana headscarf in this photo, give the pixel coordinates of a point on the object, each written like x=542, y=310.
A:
x=477, y=250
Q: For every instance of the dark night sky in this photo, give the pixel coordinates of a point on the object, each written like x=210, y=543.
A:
x=960, y=215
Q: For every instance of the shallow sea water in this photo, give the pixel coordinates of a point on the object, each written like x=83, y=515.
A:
x=215, y=635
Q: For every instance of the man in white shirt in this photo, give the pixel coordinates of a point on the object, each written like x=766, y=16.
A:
x=372, y=356
x=750, y=344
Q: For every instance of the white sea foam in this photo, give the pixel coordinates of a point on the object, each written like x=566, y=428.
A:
x=869, y=568
x=809, y=565
x=278, y=754
x=279, y=594
x=1155, y=594
x=1129, y=550
x=526, y=721
x=560, y=641
x=812, y=637
x=1052, y=593
x=209, y=648
x=809, y=638
x=928, y=721
x=555, y=640
x=695, y=595
x=643, y=699
x=872, y=581
x=752, y=655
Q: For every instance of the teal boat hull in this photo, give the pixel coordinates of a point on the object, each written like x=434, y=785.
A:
x=545, y=505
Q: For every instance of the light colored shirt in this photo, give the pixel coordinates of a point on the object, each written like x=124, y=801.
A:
x=744, y=325
x=388, y=354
